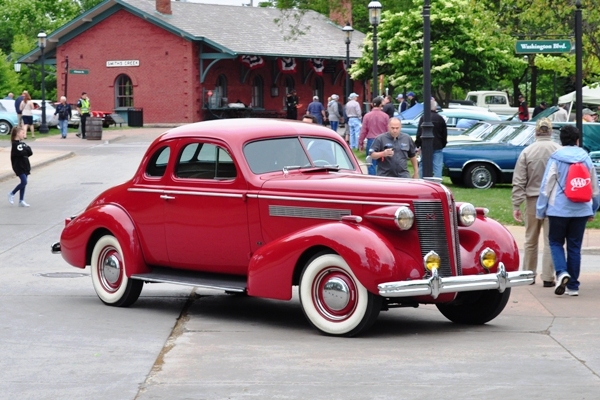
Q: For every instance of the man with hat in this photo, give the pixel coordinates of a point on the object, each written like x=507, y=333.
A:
x=354, y=114
x=588, y=115
x=527, y=179
x=541, y=107
x=412, y=99
x=402, y=103
x=523, y=110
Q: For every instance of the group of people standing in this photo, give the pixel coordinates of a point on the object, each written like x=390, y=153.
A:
x=540, y=182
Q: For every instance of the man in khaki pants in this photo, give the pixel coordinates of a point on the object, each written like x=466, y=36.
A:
x=527, y=179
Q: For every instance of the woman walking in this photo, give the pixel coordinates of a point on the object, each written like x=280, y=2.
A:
x=19, y=158
x=26, y=109
x=63, y=110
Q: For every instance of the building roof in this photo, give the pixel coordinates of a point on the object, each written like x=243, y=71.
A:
x=232, y=30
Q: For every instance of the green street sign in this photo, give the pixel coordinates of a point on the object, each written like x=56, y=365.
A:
x=542, y=46
x=79, y=71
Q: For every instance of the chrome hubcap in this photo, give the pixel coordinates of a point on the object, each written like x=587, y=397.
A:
x=336, y=294
x=111, y=269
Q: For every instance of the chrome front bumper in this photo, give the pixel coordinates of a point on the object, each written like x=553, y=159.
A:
x=435, y=285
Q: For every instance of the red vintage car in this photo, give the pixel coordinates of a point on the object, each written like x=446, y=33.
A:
x=258, y=206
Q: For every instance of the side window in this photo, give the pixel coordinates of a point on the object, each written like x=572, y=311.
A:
x=158, y=162
x=205, y=161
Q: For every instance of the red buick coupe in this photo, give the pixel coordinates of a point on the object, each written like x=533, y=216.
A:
x=258, y=206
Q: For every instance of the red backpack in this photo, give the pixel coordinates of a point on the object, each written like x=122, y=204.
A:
x=578, y=187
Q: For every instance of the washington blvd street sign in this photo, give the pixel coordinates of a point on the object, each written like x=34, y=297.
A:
x=542, y=46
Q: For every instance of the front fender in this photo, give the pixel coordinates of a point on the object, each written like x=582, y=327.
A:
x=486, y=232
x=370, y=255
x=78, y=237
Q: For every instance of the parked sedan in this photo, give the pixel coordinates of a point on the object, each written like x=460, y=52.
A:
x=482, y=164
x=457, y=120
x=9, y=117
x=258, y=206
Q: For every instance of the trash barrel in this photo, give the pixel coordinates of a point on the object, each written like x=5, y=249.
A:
x=135, y=117
x=93, y=128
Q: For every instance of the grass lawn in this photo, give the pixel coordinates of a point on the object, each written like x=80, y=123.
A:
x=496, y=199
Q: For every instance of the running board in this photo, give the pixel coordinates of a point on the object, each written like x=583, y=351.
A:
x=230, y=283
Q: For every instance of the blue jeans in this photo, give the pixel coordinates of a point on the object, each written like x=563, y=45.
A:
x=372, y=169
x=63, y=125
x=334, y=125
x=355, y=126
x=21, y=187
x=570, y=229
x=438, y=163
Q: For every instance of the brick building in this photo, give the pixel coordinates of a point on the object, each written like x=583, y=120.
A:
x=186, y=62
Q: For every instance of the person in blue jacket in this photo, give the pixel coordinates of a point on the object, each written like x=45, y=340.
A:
x=567, y=219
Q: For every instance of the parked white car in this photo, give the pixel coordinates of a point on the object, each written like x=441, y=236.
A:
x=51, y=119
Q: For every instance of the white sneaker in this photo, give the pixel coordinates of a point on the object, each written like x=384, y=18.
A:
x=561, y=283
x=571, y=292
x=11, y=198
x=23, y=204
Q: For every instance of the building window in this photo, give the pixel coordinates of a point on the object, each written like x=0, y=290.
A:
x=219, y=97
x=318, y=89
x=123, y=91
x=257, y=93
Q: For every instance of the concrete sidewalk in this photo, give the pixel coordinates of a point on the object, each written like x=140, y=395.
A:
x=42, y=156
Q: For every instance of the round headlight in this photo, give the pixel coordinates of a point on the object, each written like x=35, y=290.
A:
x=404, y=218
x=487, y=258
x=432, y=260
x=467, y=214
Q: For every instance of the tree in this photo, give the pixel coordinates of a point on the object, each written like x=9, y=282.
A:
x=468, y=49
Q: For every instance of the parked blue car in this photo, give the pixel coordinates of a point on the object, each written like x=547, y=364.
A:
x=7, y=120
x=481, y=165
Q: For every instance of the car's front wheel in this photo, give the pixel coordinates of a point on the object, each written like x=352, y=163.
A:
x=480, y=176
x=333, y=300
x=475, y=308
x=109, y=276
x=5, y=127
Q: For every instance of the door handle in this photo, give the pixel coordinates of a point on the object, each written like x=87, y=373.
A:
x=166, y=197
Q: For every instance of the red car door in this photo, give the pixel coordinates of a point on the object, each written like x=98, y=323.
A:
x=205, y=216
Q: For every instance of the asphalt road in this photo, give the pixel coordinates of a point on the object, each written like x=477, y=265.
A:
x=58, y=341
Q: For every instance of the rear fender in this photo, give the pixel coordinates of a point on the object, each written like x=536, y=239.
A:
x=80, y=235
x=370, y=255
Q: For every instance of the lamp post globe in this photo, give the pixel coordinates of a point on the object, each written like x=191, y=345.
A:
x=375, y=19
x=348, y=39
x=42, y=44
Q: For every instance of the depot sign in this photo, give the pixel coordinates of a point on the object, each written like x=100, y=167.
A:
x=542, y=46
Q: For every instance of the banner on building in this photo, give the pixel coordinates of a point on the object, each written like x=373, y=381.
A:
x=287, y=65
x=318, y=65
x=252, y=62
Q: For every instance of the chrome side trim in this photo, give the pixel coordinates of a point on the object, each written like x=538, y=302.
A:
x=190, y=193
x=55, y=248
x=315, y=200
x=436, y=285
x=307, y=212
x=481, y=161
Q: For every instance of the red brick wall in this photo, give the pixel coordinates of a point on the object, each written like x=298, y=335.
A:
x=165, y=83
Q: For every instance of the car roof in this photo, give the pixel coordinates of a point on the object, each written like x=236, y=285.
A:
x=470, y=114
x=241, y=130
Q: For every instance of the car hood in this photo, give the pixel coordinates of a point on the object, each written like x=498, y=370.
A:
x=352, y=187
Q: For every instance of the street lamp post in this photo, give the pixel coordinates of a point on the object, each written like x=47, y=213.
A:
x=375, y=19
x=348, y=31
x=42, y=43
x=578, y=72
x=526, y=58
x=427, y=126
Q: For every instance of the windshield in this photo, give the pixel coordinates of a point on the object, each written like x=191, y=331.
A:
x=522, y=135
x=477, y=130
x=412, y=113
x=546, y=113
x=276, y=154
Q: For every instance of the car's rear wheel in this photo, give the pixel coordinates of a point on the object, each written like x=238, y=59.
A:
x=480, y=176
x=5, y=127
x=333, y=300
x=475, y=308
x=109, y=276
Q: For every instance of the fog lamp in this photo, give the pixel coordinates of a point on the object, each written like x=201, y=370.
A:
x=487, y=258
x=432, y=261
x=404, y=218
x=467, y=214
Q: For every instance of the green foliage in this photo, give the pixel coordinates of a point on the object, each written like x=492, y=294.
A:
x=8, y=77
x=468, y=49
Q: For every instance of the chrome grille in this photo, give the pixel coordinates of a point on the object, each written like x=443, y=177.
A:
x=429, y=218
x=307, y=212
